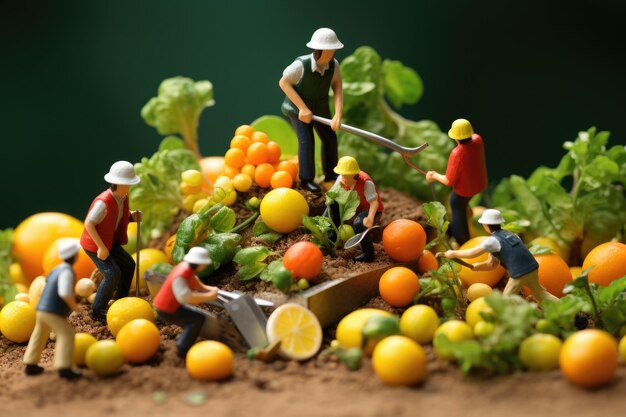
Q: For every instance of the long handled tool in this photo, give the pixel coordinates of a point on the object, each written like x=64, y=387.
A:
x=248, y=317
x=356, y=239
x=457, y=260
x=137, y=250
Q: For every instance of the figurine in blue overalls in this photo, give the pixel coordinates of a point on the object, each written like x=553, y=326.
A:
x=55, y=305
x=506, y=248
x=306, y=83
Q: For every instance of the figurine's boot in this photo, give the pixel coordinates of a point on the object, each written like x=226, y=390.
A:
x=310, y=186
x=69, y=374
x=368, y=250
x=33, y=370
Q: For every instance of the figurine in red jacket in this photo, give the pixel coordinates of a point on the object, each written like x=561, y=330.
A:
x=466, y=174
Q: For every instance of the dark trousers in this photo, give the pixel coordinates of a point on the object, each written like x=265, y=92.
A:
x=459, y=227
x=367, y=244
x=306, y=149
x=118, y=270
x=190, y=320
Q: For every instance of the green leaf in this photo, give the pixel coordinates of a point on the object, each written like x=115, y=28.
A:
x=249, y=271
x=436, y=215
x=222, y=247
x=252, y=255
x=273, y=267
x=170, y=143
x=540, y=250
x=224, y=220
x=402, y=84
x=270, y=238
x=162, y=268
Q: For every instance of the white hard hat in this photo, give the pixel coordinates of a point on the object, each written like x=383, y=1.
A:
x=198, y=256
x=324, y=39
x=122, y=173
x=68, y=248
x=491, y=216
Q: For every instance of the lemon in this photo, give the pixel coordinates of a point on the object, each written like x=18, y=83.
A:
x=35, y=290
x=127, y=309
x=455, y=331
x=478, y=290
x=139, y=340
x=419, y=322
x=82, y=341
x=224, y=183
x=282, y=209
x=540, y=352
x=17, y=274
x=242, y=182
x=147, y=259
x=131, y=231
x=193, y=177
x=17, y=321
x=230, y=199
x=399, y=360
x=104, y=357
x=349, y=328
x=298, y=330
x=472, y=314
x=210, y=361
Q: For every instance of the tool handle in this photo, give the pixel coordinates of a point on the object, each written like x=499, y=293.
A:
x=457, y=260
x=138, y=248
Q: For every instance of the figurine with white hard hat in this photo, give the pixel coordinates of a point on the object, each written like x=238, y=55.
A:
x=306, y=84
x=182, y=288
x=505, y=248
x=56, y=303
x=106, y=231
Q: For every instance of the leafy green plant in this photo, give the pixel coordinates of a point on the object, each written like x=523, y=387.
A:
x=7, y=288
x=177, y=109
x=252, y=264
x=325, y=233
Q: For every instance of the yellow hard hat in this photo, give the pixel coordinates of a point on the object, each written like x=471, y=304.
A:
x=461, y=129
x=347, y=165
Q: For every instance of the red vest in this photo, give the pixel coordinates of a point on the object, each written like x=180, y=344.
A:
x=467, y=170
x=106, y=229
x=359, y=187
x=165, y=300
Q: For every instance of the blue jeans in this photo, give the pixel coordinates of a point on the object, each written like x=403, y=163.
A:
x=118, y=270
x=459, y=227
x=306, y=149
x=190, y=320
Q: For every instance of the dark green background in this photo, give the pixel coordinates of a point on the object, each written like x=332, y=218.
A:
x=75, y=75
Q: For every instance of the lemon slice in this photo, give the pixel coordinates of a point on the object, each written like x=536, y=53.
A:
x=298, y=330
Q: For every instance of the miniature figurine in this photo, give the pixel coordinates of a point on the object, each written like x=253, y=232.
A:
x=55, y=305
x=181, y=288
x=105, y=233
x=370, y=207
x=306, y=83
x=506, y=248
x=466, y=174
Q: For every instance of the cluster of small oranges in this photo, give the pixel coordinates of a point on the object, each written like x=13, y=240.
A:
x=194, y=190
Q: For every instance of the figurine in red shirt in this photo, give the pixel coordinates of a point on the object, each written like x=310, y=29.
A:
x=466, y=174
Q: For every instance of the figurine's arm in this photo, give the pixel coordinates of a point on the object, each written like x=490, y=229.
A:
x=435, y=176
x=337, y=87
x=305, y=115
x=185, y=295
x=103, y=252
x=465, y=253
x=372, y=198
x=491, y=263
x=66, y=289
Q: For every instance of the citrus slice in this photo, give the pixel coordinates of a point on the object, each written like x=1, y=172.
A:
x=298, y=330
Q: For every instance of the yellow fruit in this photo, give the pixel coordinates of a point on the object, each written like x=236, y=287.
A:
x=622, y=349
x=298, y=330
x=472, y=314
x=248, y=170
x=212, y=167
x=82, y=341
x=469, y=277
x=476, y=229
x=139, y=340
x=131, y=246
x=540, y=352
x=169, y=247
x=198, y=205
x=282, y=210
x=104, y=357
x=455, y=331
x=576, y=271
x=230, y=199
x=192, y=177
x=419, y=322
x=210, y=361
x=85, y=287
x=588, y=358
x=187, y=189
x=349, y=329
x=17, y=275
x=127, y=309
x=242, y=182
x=22, y=296
x=548, y=242
x=17, y=321
x=478, y=290
x=398, y=360
x=224, y=183
x=35, y=290
x=147, y=259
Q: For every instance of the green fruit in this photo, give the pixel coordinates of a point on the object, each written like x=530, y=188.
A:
x=540, y=352
x=547, y=326
x=345, y=232
x=379, y=327
x=483, y=329
x=282, y=279
x=303, y=284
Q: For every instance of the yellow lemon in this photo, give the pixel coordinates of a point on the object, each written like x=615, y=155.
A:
x=298, y=330
x=399, y=360
x=478, y=290
x=139, y=340
x=17, y=321
x=419, y=322
x=210, y=361
x=455, y=331
x=147, y=259
x=472, y=314
x=127, y=309
x=104, y=357
x=349, y=329
x=82, y=341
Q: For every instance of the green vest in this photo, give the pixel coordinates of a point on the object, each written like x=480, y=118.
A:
x=313, y=89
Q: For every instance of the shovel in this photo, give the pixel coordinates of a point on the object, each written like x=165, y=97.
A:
x=457, y=260
x=248, y=317
x=356, y=239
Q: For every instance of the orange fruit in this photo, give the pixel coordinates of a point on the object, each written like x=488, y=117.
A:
x=244, y=130
x=398, y=286
x=210, y=361
x=230, y=172
x=273, y=152
x=249, y=170
x=469, y=277
x=404, y=240
x=588, y=358
x=260, y=137
x=303, y=260
x=212, y=167
x=427, y=262
x=281, y=179
x=576, y=271
x=257, y=153
x=290, y=167
x=139, y=340
x=235, y=158
x=608, y=261
x=553, y=274
x=83, y=267
x=169, y=246
x=33, y=237
x=240, y=142
x=263, y=175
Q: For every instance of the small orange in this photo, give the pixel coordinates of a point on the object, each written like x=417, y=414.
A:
x=248, y=169
x=281, y=179
x=260, y=137
x=304, y=260
x=230, y=172
x=240, y=142
x=235, y=158
x=273, y=152
x=83, y=267
x=553, y=274
x=427, y=262
x=139, y=340
x=404, y=240
x=257, y=153
x=290, y=167
x=212, y=167
x=588, y=358
x=398, y=286
x=244, y=130
x=210, y=361
x=263, y=175
x=608, y=261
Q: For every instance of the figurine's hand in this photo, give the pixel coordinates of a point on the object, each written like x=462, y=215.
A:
x=335, y=124
x=211, y=293
x=368, y=222
x=136, y=215
x=103, y=254
x=430, y=176
x=305, y=115
x=450, y=254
